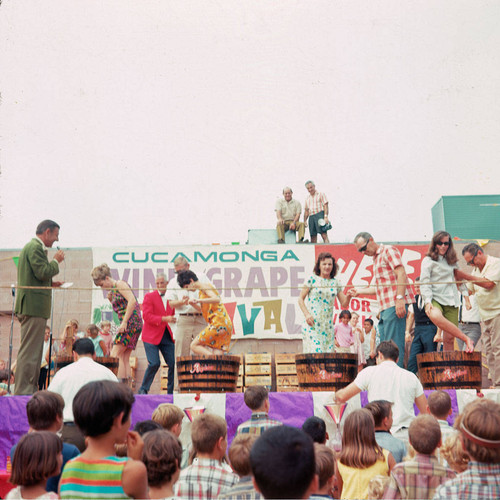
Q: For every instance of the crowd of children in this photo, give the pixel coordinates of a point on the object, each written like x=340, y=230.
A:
x=271, y=461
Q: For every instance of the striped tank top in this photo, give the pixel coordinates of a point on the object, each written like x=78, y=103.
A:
x=93, y=478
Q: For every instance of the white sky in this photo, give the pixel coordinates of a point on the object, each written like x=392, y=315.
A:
x=179, y=122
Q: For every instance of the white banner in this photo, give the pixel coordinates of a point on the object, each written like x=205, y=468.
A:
x=259, y=285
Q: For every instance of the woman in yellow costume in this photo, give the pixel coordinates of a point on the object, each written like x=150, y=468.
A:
x=215, y=338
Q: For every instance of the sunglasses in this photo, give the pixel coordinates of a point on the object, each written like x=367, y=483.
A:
x=363, y=248
x=471, y=262
x=441, y=243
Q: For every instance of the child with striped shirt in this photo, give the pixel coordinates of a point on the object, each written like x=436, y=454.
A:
x=102, y=412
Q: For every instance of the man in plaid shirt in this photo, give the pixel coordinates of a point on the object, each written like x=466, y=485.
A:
x=316, y=213
x=479, y=426
x=257, y=399
x=206, y=478
x=391, y=287
x=419, y=478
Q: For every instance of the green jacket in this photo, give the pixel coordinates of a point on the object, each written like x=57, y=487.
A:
x=34, y=269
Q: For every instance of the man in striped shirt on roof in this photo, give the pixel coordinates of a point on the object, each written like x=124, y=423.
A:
x=393, y=292
x=316, y=210
x=257, y=399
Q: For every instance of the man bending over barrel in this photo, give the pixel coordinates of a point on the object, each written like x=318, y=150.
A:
x=215, y=338
x=388, y=381
x=70, y=379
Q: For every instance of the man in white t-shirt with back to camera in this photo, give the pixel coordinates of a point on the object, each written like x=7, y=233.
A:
x=70, y=379
x=387, y=381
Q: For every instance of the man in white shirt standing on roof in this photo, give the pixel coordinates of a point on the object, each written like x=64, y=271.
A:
x=316, y=213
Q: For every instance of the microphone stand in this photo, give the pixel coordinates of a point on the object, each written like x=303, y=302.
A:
x=50, y=338
x=13, y=290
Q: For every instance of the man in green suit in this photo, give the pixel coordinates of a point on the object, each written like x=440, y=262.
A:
x=33, y=304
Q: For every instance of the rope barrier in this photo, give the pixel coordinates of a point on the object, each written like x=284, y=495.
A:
x=360, y=290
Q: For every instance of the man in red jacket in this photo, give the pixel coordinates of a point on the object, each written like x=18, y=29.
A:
x=157, y=335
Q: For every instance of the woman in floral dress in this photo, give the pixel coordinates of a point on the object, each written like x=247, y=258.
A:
x=216, y=337
x=127, y=308
x=316, y=301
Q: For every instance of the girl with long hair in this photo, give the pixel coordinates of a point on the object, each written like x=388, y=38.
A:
x=38, y=456
x=361, y=457
x=440, y=292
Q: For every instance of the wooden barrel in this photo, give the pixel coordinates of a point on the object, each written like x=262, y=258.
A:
x=109, y=362
x=450, y=370
x=325, y=371
x=208, y=373
x=62, y=361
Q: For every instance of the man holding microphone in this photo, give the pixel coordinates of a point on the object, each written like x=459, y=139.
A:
x=33, y=305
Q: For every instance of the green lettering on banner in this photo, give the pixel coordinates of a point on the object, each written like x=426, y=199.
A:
x=212, y=255
x=246, y=254
x=155, y=258
x=272, y=314
x=116, y=254
x=146, y=258
x=269, y=256
x=248, y=325
x=226, y=257
x=289, y=255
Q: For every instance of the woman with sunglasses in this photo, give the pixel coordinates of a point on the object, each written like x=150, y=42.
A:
x=440, y=292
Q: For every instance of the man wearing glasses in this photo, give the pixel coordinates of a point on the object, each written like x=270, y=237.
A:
x=391, y=289
x=484, y=284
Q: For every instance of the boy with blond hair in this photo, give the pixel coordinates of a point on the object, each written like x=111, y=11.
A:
x=419, y=478
x=239, y=457
x=206, y=478
x=106, y=335
x=170, y=417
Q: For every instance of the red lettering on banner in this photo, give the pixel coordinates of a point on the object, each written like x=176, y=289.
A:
x=357, y=269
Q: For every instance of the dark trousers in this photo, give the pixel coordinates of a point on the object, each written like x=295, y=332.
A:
x=167, y=349
x=42, y=378
x=423, y=341
x=73, y=435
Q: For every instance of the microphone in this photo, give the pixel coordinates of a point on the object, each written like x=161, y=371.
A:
x=13, y=290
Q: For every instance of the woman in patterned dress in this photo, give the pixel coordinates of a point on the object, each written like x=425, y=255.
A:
x=215, y=338
x=125, y=305
x=320, y=291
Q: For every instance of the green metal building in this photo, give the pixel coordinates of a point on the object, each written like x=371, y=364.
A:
x=468, y=217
